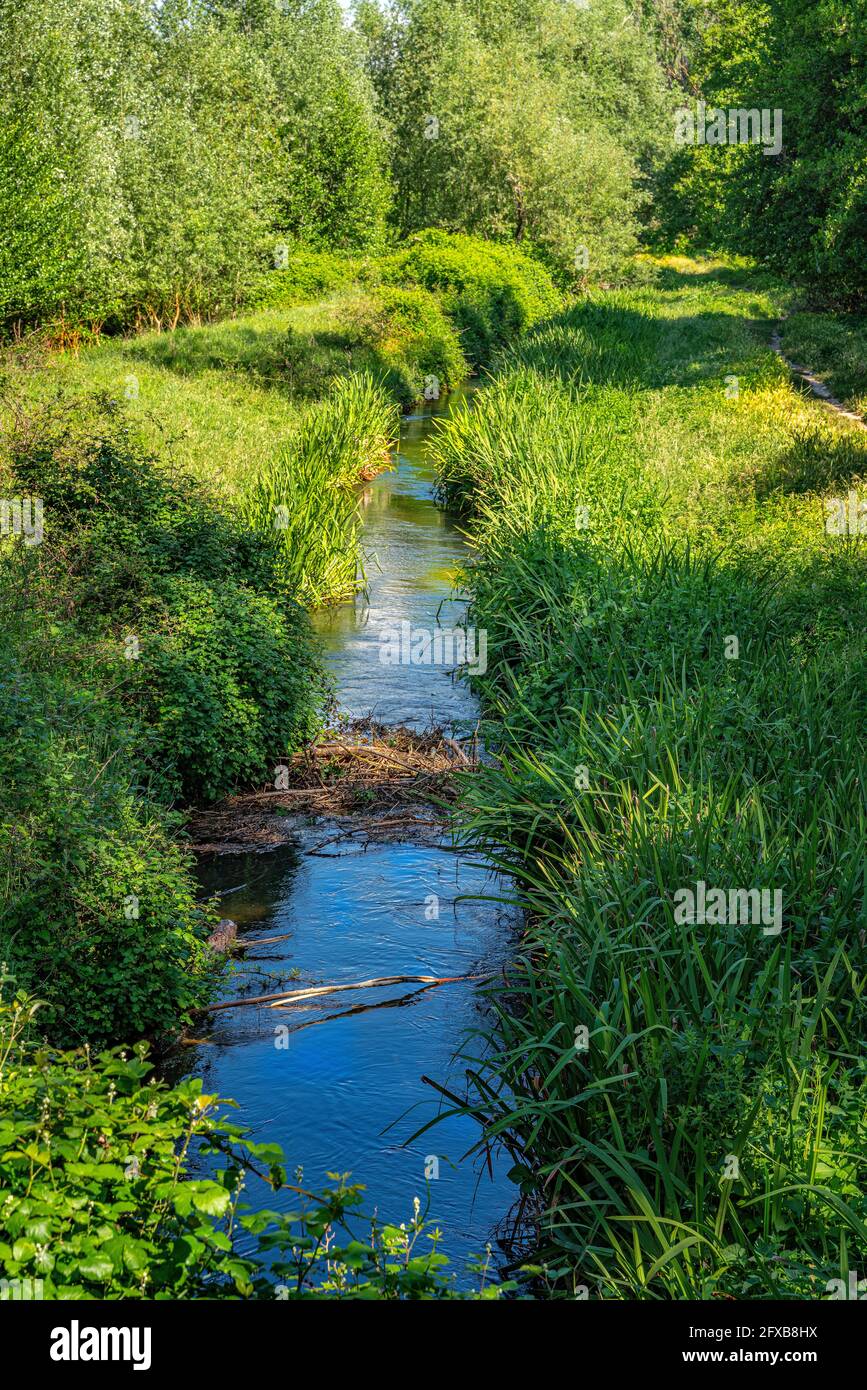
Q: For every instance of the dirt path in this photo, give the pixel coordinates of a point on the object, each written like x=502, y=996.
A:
x=817, y=387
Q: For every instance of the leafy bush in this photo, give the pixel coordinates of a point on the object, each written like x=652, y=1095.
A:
x=96, y=1191
x=146, y=654
x=102, y=1193
x=206, y=653
x=491, y=292
x=98, y=907
x=416, y=345
x=307, y=274
x=227, y=682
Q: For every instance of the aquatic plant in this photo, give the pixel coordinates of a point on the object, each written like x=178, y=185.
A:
x=305, y=501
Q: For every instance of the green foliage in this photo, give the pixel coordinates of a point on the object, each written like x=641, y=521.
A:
x=491, y=292
x=100, y=1197
x=146, y=654
x=153, y=158
x=99, y=908
x=520, y=122
x=226, y=681
x=304, y=503
x=802, y=212
x=169, y=585
x=414, y=341
x=333, y=193
x=636, y=758
x=307, y=275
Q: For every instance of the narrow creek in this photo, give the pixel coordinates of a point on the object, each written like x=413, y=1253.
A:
x=341, y=1088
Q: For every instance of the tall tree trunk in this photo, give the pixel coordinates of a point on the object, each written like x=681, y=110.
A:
x=520, y=208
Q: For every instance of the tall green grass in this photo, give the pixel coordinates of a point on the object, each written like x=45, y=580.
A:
x=305, y=500
x=709, y=1139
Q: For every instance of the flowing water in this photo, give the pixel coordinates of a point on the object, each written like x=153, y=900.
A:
x=339, y=1085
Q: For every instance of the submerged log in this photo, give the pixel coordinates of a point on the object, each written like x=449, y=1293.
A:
x=293, y=996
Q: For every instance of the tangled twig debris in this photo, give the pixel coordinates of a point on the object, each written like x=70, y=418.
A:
x=371, y=779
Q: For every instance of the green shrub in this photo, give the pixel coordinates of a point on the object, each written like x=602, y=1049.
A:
x=98, y=907
x=146, y=654
x=417, y=347
x=227, y=682
x=492, y=292
x=97, y=1195
x=307, y=275
x=181, y=598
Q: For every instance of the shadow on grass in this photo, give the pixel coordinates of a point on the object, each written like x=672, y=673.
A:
x=606, y=344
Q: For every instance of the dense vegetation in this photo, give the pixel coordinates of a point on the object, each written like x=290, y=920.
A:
x=172, y=667
x=155, y=158
x=676, y=695
x=804, y=211
x=178, y=664
x=236, y=236
x=100, y=1200
x=525, y=120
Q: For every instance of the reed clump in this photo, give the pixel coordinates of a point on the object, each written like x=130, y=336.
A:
x=305, y=500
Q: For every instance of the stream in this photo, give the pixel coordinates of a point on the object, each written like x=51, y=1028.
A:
x=341, y=1088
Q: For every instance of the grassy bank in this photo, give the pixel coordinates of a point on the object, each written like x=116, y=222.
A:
x=197, y=492
x=223, y=398
x=676, y=687
x=182, y=498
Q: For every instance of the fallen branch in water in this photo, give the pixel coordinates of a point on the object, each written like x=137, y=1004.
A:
x=293, y=996
x=245, y=944
x=397, y=1003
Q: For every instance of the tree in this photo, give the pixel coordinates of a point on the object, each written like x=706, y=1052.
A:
x=532, y=122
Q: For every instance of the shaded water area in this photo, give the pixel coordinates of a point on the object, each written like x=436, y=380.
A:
x=338, y=1081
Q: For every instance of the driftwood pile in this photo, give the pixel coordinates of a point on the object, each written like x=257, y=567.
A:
x=387, y=781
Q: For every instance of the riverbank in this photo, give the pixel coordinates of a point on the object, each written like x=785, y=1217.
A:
x=331, y=1079
x=368, y=896
x=221, y=399
x=675, y=691
x=674, y=671
x=195, y=494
